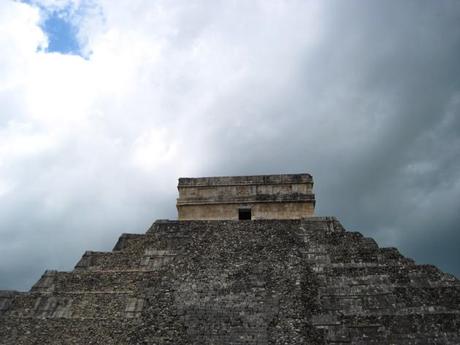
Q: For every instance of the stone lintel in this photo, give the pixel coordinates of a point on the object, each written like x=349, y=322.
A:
x=245, y=180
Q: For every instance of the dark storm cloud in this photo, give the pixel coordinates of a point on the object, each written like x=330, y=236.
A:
x=363, y=95
x=374, y=114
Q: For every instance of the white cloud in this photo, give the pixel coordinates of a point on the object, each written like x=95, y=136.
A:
x=92, y=147
x=20, y=37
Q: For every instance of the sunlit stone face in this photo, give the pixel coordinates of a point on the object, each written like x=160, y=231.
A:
x=246, y=197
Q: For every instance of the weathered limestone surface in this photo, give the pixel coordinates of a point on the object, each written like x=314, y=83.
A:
x=305, y=281
x=287, y=196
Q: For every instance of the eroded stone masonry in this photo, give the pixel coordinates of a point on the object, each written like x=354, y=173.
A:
x=265, y=281
x=286, y=196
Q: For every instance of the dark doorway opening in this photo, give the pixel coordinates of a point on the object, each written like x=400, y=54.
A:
x=244, y=214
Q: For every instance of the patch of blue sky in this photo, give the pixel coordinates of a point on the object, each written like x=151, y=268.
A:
x=62, y=34
x=61, y=25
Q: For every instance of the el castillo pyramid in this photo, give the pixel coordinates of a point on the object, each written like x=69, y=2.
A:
x=246, y=263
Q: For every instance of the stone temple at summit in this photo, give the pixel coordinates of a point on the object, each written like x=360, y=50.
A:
x=246, y=263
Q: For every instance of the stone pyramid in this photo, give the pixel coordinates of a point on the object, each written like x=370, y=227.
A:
x=302, y=280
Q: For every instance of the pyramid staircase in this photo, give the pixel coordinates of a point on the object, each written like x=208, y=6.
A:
x=238, y=282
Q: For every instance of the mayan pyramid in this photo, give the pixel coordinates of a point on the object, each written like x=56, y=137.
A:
x=246, y=263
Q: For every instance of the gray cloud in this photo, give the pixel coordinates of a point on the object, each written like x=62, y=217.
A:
x=364, y=95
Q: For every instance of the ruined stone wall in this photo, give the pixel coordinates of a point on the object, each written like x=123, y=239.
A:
x=240, y=283
x=281, y=210
x=269, y=197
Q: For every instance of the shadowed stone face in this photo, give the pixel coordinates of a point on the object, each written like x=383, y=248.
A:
x=231, y=288
x=246, y=197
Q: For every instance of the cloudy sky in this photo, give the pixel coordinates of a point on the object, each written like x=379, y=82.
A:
x=105, y=103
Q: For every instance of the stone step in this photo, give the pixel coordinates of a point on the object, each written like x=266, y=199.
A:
x=450, y=338
x=67, y=331
x=94, y=305
x=349, y=282
x=6, y=299
x=147, y=259
x=403, y=324
x=345, y=280
x=353, y=290
x=94, y=281
x=413, y=296
x=313, y=227
x=356, y=304
x=98, y=261
x=343, y=247
x=127, y=241
x=352, y=269
x=397, y=272
x=391, y=329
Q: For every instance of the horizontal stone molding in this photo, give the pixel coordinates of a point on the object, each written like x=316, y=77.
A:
x=259, y=198
x=245, y=180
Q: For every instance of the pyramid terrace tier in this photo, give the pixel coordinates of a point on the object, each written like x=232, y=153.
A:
x=301, y=281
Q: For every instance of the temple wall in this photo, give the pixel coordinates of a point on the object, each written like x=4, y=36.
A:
x=242, y=191
x=285, y=210
x=267, y=196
